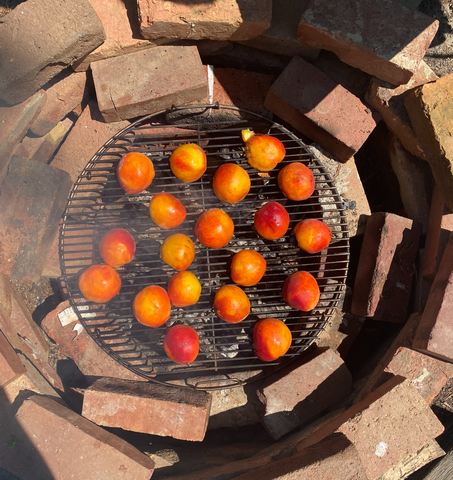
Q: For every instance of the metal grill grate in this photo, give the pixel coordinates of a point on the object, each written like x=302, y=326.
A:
x=97, y=203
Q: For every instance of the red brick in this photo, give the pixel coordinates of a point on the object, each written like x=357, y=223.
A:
x=72, y=29
x=368, y=35
x=77, y=344
x=295, y=397
x=280, y=37
x=148, y=81
x=385, y=272
x=415, y=182
x=226, y=20
x=435, y=333
x=54, y=442
x=34, y=197
x=152, y=408
x=15, y=122
x=429, y=107
x=10, y=364
x=321, y=109
x=61, y=99
x=388, y=100
x=121, y=26
x=88, y=134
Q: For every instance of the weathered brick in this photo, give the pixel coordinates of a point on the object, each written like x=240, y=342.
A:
x=385, y=272
x=388, y=100
x=369, y=35
x=296, y=396
x=63, y=327
x=333, y=457
x=226, y=20
x=15, y=122
x=122, y=31
x=429, y=108
x=54, y=442
x=35, y=196
x=10, y=364
x=61, y=99
x=41, y=38
x=435, y=333
x=415, y=181
x=151, y=408
x=321, y=109
x=280, y=37
x=88, y=134
x=148, y=81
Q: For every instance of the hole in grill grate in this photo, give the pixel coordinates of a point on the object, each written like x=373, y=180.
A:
x=97, y=203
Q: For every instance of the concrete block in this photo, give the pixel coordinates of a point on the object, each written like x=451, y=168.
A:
x=41, y=38
x=224, y=20
x=369, y=35
x=152, y=408
x=385, y=272
x=10, y=365
x=321, y=109
x=148, y=81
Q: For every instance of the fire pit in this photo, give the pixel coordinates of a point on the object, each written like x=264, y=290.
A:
x=97, y=204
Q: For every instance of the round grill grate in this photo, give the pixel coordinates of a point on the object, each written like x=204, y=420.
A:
x=97, y=204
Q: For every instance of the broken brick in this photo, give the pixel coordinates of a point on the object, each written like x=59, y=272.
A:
x=10, y=364
x=152, y=408
x=368, y=35
x=321, y=109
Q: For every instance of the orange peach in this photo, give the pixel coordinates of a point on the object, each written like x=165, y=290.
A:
x=166, y=211
x=99, y=283
x=271, y=339
x=214, y=228
x=231, y=304
x=178, y=251
x=263, y=152
x=117, y=247
x=296, y=181
x=271, y=220
x=188, y=162
x=151, y=306
x=312, y=235
x=301, y=291
x=135, y=172
x=231, y=183
x=247, y=268
x=184, y=289
x=181, y=344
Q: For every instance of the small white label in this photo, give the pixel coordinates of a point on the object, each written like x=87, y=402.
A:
x=381, y=448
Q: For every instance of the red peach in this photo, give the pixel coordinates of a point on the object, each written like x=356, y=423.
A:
x=296, y=181
x=166, y=211
x=271, y=220
x=301, y=291
x=117, y=247
x=214, y=228
x=181, y=344
x=312, y=235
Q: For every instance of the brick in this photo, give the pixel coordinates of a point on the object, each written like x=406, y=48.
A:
x=415, y=182
x=57, y=443
x=280, y=37
x=61, y=99
x=36, y=195
x=152, y=408
x=429, y=107
x=440, y=225
x=122, y=31
x=333, y=457
x=76, y=343
x=10, y=364
x=434, y=334
x=349, y=186
x=368, y=35
x=321, y=109
x=15, y=122
x=148, y=81
x=40, y=39
x=385, y=271
x=227, y=20
x=88, y=134
x=388, y=100
x=296, y=396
